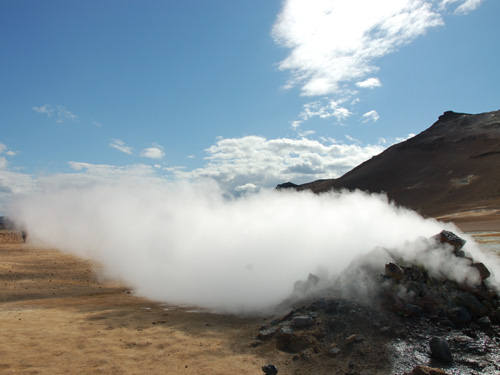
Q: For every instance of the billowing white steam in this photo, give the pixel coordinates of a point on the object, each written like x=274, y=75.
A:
x=188, y=243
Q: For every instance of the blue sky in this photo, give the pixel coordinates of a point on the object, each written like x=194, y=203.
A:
x=249, y=93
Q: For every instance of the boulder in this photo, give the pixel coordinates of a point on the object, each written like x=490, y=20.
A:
x=440, y=349
x=270, y=369
x=451, y=239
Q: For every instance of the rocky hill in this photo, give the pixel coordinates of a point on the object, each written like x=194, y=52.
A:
x=453, y=165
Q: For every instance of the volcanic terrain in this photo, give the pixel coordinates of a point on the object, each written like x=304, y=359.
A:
x=452, y=166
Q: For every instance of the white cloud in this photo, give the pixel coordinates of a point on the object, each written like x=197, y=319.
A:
x=45, y=109
x=106, y=172
x=153, y=152
x=468, y=6
x=236, y=162
x=119, y=145
x=402, y=139
x=247, y=188
x=335, y=43
x=324, y=109
x=371, y=116
x=369, y=83
x=3, y=163
x=59, y=112
x=4, y=150
x=464, y=7
x=306, y=133
x=352, y=139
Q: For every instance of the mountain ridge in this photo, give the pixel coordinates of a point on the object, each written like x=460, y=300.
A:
x=453, y=165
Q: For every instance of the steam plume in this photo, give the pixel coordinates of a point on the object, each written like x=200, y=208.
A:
x=188, y=243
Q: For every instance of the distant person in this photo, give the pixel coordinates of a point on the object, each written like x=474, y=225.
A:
x=24, y=235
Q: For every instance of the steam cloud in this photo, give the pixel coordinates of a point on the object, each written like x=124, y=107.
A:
x=190, y=244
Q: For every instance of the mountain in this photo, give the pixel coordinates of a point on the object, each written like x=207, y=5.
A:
x=453, y=165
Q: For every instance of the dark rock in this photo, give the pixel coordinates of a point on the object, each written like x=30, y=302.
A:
x=484, y=273
x=386, y=330
x=302, y=321
x=354, y=338
x=484, y=322
x=333, y=351
x=495, y=316
x=413, y=310
x=393, y=271
x=267, y=333
x=452, y=239
x=270, y=369
x=459, y=316
x=424, y=370
x=288, y=341
x=287, y=185
x=440, y=349
x=471, y=302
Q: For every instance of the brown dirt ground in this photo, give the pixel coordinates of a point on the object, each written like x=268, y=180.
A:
x=57, y=317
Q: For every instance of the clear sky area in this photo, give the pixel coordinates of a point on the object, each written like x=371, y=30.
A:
x=247, y=93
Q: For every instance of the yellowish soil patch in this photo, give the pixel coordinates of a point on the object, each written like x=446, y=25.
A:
x=57, y=318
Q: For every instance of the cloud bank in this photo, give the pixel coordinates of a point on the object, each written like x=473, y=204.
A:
x=262, y=162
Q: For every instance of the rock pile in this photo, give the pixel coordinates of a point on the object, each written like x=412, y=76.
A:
x=410, y=290
x=421, y=318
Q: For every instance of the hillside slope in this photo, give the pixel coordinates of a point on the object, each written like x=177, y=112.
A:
x=451, y=166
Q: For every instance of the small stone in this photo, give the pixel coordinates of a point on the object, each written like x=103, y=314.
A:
x=393, y=271
x=385, y=330
x=270, y=369
x=484, y=322
x=440, y=349
x=267, y=333
x=354, y=338
x=333, y=351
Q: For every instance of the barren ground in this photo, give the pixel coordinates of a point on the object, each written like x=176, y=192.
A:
x=56, y=317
